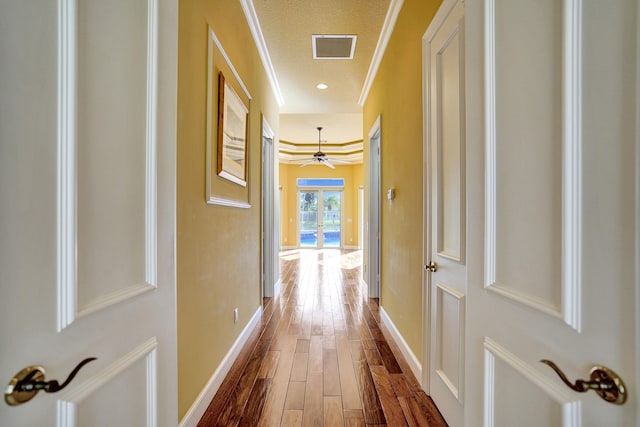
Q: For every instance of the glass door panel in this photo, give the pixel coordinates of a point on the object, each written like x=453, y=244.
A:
x=308, y=219
x=331, y=201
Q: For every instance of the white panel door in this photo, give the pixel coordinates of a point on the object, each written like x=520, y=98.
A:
x=446, y=218
x=552, y=193
x=87, y=218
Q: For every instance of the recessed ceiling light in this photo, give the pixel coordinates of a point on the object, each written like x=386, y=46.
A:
x=322, y=86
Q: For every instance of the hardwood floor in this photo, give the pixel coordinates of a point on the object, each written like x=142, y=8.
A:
x=321, y=356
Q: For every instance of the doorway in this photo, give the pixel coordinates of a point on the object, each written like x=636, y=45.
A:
x=270, y=215
x=373, y=270
x=320, y=218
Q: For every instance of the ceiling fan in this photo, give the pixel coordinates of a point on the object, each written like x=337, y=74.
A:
x=320, y=157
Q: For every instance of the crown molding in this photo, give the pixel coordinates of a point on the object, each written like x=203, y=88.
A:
x=261, y=45
x=352, y=158
x=385, y=34
x=329, y=148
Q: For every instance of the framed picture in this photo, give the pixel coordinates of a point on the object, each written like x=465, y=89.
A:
x=232, y=134
x=228, y=149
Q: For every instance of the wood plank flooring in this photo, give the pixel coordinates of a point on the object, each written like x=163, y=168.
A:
x=321, y=356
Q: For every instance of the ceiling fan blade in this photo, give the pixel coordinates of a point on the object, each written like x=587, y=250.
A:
x=339, y=161
x=307, y=163
x=328, y=163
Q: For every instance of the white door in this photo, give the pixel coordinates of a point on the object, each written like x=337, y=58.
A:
x=552, y=190
x=87, y=211
x=445, y=269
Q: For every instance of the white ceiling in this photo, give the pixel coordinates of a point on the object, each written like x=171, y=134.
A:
x=287, y=27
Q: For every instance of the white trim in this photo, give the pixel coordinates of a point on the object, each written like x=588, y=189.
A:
x=67, y=405
x=200, y=405
x=385, y=34
x=113, y=298
x=361, y=217
x=67, y=171
x=374, y=257
x=457, y=32
x=330, y=149
x=489, y=388
x=152, y=388
x=261, y=45
x=151, y=170
x=436, y=23
x=228, y=202
x=490, y=138
x=438, y=19
x=288, y=248
x=457, y=390
x=570, y=307
x=339, y=159
x=235, y=73
x=408, y=355
x=350, y=247
x=269, y=263
x=210, y=198
x=66, y=168
x=572, y=164
x=637, y=215
x=571, y=406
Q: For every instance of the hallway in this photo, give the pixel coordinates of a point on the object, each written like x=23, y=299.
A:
x=320, y=356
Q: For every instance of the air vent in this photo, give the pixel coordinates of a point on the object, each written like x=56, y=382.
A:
x=333, y=46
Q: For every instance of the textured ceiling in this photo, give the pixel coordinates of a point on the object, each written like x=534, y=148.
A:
x=287, y=27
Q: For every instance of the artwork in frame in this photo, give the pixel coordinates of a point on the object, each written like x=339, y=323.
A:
x=232, y=134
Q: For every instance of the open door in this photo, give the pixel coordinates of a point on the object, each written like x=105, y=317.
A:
x=87, y=182
x=552, y=180
x=445, y=214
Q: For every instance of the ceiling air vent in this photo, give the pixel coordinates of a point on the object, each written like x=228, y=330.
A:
x=333, y=46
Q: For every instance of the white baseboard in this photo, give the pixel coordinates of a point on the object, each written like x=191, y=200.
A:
x=200, y=405
x=412, y=360
x=287, y=248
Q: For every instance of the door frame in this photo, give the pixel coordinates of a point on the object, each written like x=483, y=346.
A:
x=373, y=271
x=270, y=282
x=361, y=217
x=443, y=12
x=426, y=213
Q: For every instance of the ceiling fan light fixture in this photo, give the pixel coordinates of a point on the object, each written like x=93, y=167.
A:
x=322, y=86
x=321, y=158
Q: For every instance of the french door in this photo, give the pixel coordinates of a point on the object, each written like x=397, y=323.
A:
x=534, y=212
x=320, y=215
x=87, y=182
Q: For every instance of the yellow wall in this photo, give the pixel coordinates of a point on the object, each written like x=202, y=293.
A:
x=353, y=179
x=218, y=248
x=396, y=96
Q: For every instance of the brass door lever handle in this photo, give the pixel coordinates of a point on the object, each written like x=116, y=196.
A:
x=29, y=381
x=606, y=383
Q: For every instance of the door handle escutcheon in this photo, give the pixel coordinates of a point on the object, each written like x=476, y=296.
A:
x=28, y=382
x=604, y=381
